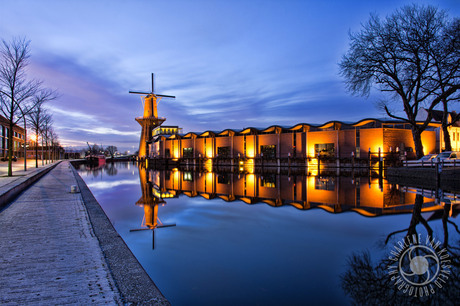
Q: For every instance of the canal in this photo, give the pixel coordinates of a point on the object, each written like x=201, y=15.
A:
x=248, y=239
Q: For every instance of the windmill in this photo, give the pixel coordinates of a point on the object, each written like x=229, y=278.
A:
x=150, y=120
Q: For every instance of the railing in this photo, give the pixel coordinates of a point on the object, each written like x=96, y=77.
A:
x=440, y=196
x=432, y=163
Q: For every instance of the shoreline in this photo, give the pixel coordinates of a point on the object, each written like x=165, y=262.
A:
x=134, y=284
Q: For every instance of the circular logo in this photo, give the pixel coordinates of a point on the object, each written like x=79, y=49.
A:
x=419, y=265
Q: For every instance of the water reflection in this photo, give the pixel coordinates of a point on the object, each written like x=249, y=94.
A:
x=268, y=253
x=150, y=201
x=367, y=196
x=420, y=267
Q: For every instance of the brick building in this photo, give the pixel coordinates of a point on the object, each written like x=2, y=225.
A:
x=334, y=139
x=18, y=138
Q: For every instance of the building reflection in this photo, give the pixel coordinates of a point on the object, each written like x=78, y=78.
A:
x=150, y=201
x=367, y=196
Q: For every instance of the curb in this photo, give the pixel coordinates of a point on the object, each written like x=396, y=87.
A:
x=9, y=195
x=134, y=284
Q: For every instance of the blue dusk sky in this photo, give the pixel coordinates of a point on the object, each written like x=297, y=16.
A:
x=231, y=64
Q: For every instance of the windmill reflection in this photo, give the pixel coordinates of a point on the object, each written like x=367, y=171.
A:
x=367, y=196
x=150, y=201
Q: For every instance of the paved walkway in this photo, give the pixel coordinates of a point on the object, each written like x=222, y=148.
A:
x=48, y=251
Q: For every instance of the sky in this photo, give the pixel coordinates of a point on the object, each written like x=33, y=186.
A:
x=230, y=64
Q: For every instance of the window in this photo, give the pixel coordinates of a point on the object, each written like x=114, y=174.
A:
x=187, y=152
x=324, y=149
x=188, y=176
x=325, y=184
x=223, y=178
x=223, y=151
x=268, y=151
x=358, y=138
x=294, y=144
x=167, y=153
x=268, y=181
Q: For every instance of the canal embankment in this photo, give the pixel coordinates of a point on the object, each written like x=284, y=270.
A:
x=428, y=178
x=59, y=247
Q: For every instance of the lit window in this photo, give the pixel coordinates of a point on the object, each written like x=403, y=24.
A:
x=324, y=149
x=268, y=180
x=268, y=151
x=187, y=152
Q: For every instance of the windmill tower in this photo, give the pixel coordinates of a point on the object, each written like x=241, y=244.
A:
x=150, y=120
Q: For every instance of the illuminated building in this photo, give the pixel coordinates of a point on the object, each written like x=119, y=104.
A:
x=303, y=142
x=454, y=129
x=18, y=138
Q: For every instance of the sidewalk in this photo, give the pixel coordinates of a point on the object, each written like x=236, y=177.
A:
x=59, y=247
x=49, y=252
x=11, y=186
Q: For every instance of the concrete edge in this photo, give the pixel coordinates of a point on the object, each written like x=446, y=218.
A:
x=134, y=284
x=8, y=196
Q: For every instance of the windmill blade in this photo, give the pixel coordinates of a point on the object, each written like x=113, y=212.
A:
x=140, y=92
x=165, y=96
x=153, y=86
x=165, y=225
x=139, y=229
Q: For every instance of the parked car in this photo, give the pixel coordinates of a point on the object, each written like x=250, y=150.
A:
x=448, y=155
x=427, y=157
x=5, y=158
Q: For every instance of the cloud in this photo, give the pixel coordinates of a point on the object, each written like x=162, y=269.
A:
x=108, y=131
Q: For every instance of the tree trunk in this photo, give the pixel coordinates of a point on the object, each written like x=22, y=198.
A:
x=447, y=143
x=10, y=148
x=36, y=152
x=417, y=136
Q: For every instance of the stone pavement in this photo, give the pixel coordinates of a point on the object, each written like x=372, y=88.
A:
x=58, y=247
x=11, y=186
x=49, y=254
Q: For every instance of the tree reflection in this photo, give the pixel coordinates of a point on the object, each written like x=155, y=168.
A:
x=110, y=169
x=369, y=283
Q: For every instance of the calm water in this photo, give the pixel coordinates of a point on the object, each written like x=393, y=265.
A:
x=247, y=239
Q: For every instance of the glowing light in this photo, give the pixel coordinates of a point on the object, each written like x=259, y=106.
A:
x=208, y=165
x=250, y=152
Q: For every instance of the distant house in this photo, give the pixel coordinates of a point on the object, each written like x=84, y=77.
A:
x=18, y=138
x=454, y=129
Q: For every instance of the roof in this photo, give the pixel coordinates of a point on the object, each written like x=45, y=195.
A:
x=334, y=124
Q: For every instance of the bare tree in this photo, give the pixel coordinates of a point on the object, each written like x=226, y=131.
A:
x=111, y=150
x=398, y=55
x=37, y=116
x=16, y=90
x=55, y=146
x=46, y=133
x=447, y=66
